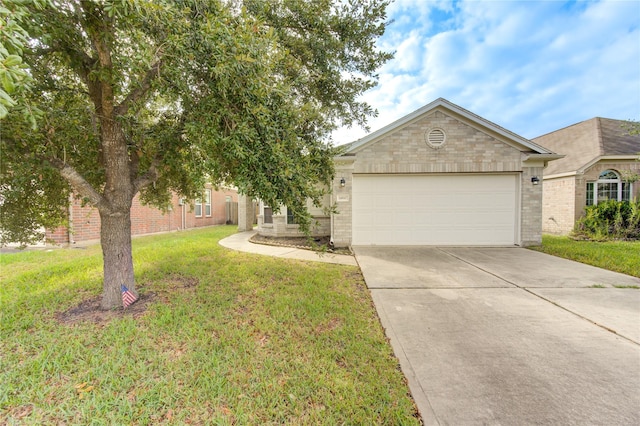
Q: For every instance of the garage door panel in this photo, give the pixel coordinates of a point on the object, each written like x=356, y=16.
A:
x=442, y=210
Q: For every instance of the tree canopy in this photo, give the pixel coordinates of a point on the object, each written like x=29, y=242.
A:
x=152, y=97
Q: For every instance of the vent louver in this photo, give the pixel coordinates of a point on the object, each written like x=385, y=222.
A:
x=436, y=138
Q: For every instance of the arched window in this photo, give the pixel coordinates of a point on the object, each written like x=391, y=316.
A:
x=609, y=186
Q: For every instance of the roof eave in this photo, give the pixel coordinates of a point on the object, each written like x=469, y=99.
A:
x=626, y=157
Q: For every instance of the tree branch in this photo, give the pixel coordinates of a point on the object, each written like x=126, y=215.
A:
x=78, y=183
x=99, y=28
x=148, y=178
x=141, y=90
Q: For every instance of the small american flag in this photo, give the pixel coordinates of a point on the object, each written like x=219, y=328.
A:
x=127, y=297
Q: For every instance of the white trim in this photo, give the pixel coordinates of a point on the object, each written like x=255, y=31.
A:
x=208, y=194
x=582, y=169
x=560, y=175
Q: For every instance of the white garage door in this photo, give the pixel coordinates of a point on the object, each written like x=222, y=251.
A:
x=433, y=210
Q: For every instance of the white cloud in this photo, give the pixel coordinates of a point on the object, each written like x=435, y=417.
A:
x=531, y=67
x=409, y=53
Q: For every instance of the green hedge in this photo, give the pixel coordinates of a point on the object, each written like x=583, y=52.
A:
x=610, y=220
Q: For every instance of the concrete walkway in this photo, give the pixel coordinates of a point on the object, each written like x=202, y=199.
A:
x=240, y=242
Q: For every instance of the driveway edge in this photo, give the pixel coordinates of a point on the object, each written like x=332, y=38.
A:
x=423, y=405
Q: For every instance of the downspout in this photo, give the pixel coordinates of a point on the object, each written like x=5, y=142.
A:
x=331, y=212
x=70, y=222
x=184, y=219
x=331, y=243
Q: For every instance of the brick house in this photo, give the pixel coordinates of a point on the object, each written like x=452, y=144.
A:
x=216, y=207
x=600, y=162
x=438, y=176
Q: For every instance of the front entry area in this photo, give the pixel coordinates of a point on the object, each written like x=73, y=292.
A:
x=445, y=209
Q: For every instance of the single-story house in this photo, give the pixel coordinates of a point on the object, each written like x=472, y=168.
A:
x=216, y=207
x=601, y=162
x=441, y=175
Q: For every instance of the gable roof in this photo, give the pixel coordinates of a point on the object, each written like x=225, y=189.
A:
x=458, y=112
x=587, y=142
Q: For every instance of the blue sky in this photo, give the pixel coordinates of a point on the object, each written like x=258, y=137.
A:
x=529, y=66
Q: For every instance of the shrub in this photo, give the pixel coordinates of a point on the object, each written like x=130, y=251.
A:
x=610, y=220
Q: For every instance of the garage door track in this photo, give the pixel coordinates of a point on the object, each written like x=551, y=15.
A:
x=509, y=336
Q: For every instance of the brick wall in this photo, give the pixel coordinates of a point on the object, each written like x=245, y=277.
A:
x=592, y=174
x=565, y=198
x=85, y=220
x=280, y=227
x=321, y=222
x=467, y=150
x=342, y=196
x=531, y=207
x=558, y=207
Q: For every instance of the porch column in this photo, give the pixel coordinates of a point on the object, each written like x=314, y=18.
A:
x=245, y=213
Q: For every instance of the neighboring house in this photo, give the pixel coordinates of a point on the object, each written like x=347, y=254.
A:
x=600, y=162
x=438, y=176
x=216, y=207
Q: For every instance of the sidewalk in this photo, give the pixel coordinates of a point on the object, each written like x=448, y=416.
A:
x=240, y=242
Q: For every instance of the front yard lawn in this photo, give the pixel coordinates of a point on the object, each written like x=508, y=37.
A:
x=618, y=256
x=218, y=337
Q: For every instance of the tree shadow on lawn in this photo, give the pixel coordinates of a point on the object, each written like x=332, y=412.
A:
x=90, y=311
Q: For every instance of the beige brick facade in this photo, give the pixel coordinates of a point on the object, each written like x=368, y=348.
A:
x=531, y=207
x=321, y=222
x=558, y=207
x=467, y=150
x=473, y=146
x=566, y=197
x=280, y=228
x=589, y=147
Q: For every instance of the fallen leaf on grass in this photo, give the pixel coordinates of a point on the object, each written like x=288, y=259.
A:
x=263, y=340
x=82, y=389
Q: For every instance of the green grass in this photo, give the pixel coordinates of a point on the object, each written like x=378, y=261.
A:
x=618, y=256
x=229, y=338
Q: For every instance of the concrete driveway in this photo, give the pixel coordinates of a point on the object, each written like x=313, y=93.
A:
x=509, y=336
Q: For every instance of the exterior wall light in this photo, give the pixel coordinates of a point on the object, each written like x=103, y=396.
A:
x=342, y=182
x=535, y=180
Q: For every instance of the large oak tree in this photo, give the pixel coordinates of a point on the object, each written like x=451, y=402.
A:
x=152, y=97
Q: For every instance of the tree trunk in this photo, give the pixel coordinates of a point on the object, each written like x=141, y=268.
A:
x=115, y=238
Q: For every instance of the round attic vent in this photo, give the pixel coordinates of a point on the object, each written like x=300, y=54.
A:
x=436, y=138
